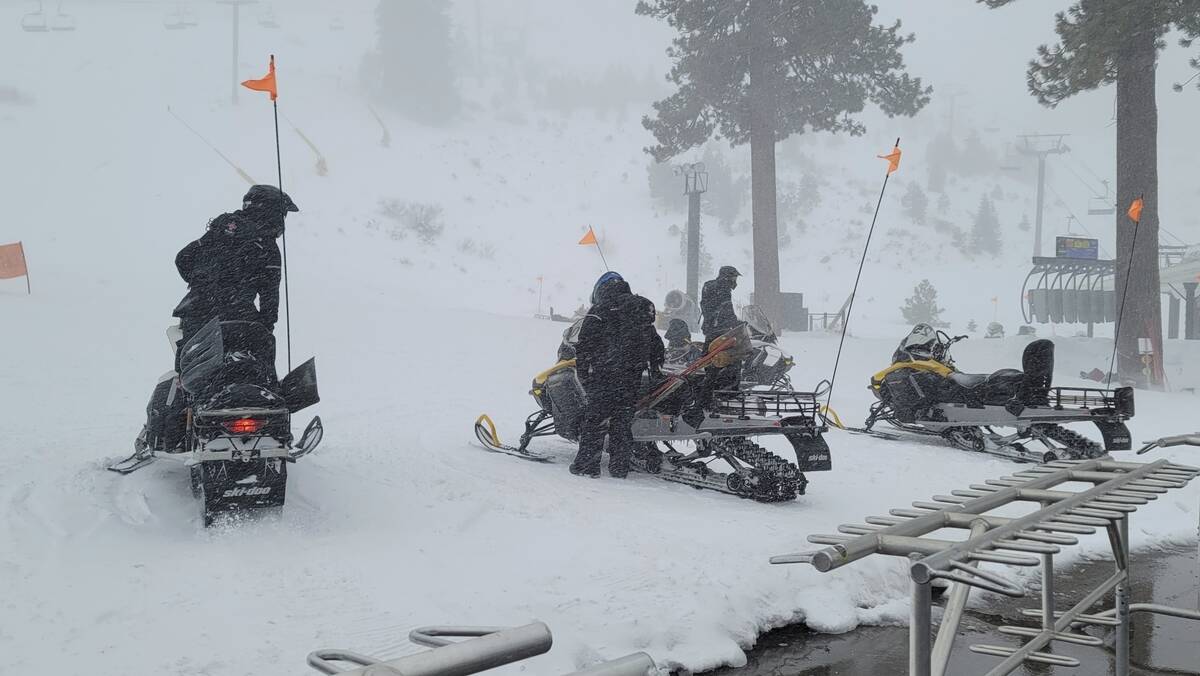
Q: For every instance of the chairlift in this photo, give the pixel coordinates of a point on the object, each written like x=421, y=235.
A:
x=336, y=24
x=188, y=17
x=35, y=22
x=1102, y=205
x=267, y=18
x=62, y=21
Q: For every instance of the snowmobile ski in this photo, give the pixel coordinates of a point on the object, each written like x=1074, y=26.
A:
x=485, y=431
x=133, y=463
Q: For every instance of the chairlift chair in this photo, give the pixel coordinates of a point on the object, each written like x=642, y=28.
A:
x=1101, y=206
x=336, y=24
x=267, y=18
x=188, y=17
x=35, y=22
x=62, y=21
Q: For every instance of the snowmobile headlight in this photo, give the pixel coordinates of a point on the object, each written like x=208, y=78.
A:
x=242, y=426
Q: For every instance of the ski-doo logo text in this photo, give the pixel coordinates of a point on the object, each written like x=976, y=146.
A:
x=242, y=491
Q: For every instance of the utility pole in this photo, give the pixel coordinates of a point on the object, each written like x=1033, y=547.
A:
x=695, y=183
x=237, y=6
x=1041, y=145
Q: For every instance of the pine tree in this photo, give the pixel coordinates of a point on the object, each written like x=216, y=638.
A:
x=972, y=327
x=922, y=307
x=666, y=187
x=1024, y=226
x=758, y=72
x=985, y=233
x=416, y=60
x=915, y=203
x=940, y=155
x=1102, y=42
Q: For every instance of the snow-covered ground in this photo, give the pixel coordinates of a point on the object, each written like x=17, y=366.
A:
x=398, y=520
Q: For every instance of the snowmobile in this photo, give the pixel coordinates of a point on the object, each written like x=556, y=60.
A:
x=236, y=435
x=923, y=392
x=665, y=416
x=768, y=364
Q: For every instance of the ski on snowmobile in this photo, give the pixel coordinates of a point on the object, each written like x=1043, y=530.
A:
x=922, y=394
x=485, y=432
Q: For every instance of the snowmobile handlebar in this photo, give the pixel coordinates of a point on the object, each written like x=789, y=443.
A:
x=1175, y=440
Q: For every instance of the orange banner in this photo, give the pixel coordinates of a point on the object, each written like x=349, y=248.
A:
x=589, y=238
x=12, y=261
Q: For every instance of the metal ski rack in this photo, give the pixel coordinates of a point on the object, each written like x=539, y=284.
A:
x=485, y=648
x=1118, y=489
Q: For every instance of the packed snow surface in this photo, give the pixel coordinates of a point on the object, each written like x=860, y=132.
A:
x=399, y=519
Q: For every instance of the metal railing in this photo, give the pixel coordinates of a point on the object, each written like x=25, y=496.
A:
x=1117, y=490
x=485, y=648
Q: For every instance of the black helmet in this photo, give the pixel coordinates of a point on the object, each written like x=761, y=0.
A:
x=267, y=196
x=728, y=272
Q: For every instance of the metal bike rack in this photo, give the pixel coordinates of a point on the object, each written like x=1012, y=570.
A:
x=485, y=648
x=1118, y=489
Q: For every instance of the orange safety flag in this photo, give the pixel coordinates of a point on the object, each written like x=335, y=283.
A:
x=1135, y=210
x=12, y=261
x=266, y=84
x=893, y=159
x=589, y=238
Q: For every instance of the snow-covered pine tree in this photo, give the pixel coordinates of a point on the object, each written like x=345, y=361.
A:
x=922, y=307
x=915, y=203
x=415, y=58
x=985, y=233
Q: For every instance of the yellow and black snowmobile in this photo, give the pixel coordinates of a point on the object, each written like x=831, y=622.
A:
x=923, y=392
x=665, y=416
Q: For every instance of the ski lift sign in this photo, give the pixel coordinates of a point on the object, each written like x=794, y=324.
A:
x=1084, y=248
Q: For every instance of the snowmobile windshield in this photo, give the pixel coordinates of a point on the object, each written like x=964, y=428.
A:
x=756, y=319
x=920, y=343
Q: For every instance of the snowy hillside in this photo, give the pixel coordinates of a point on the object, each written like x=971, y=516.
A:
x=400, y=519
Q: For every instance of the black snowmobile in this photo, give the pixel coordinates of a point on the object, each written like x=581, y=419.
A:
x=229, y=417
x=922, y=392
x=665, y=416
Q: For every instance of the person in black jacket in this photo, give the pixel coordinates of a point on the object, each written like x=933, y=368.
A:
x=716, y=304
x=617, y=343
x=234, y=263
x=713, y=299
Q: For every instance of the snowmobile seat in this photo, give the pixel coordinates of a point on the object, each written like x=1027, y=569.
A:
x=972, y=380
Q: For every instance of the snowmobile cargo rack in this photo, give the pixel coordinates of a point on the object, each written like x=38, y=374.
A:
x=1117, y=490
x=1119, y=401
x=782, y=404
x=485, y=648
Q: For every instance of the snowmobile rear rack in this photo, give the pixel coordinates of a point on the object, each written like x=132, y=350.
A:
x=767, y=403
x=1116, y=490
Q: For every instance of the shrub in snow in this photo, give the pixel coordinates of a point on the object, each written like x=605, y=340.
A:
x=422, y=220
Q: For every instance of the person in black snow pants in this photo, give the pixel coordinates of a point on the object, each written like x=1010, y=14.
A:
x=716, y=305
x=617, y=343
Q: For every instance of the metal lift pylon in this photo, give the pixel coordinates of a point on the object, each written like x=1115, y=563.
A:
x=1118, y=489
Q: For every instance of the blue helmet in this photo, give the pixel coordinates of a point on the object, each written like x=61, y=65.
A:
x=605, y=278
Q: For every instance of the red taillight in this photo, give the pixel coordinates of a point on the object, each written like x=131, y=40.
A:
x=243, y=426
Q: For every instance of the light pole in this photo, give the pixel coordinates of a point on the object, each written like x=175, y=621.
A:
x=237, y=6
x=695, y=183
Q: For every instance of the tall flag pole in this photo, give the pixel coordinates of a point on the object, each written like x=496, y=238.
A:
x=893, y=159
x=1135, y=215
x=268, y=84
x=590, y=239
